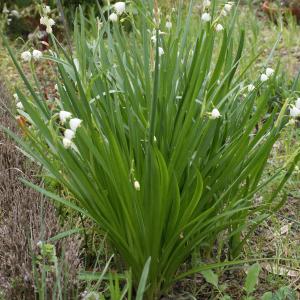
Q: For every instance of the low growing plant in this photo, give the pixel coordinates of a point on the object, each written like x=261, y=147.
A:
x=157, y=137
x=249, y=287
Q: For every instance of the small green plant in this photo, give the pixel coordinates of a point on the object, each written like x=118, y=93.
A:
x=155, y=136
x=251, y=281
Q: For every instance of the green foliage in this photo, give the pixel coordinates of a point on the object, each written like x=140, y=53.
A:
x=251, y=281
x=252, y=278
x=150, y=164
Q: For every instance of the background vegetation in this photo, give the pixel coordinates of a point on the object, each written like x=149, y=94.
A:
x=53, y=267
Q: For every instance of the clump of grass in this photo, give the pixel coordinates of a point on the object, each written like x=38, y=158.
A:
x=156, y=139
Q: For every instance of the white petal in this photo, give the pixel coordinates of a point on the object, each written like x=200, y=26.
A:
x=161, y=51
x=64, y=116
x=19, y=105
x=136, y=185
x=206, y=17
x=75, y=123
x=169, y=25
x=264, y=77
x=69, y=134
x=120, y=7
x=294, y=112
x=26, y=56
x=251, y=88
x=113, y=17
x=269, y=72
x=219, y=27
x=37, y=54
x=215, y=114
x=67, y=143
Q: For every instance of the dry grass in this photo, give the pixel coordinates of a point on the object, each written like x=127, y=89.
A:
x=24, y=221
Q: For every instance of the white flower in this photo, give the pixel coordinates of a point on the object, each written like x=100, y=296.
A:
x=16, y=96
x=269, y=72
x=113, y=17
x=67, y=143
x=15, y=13
x=206, y=17
x=37, y=54
x=69, y=134
x=120, y=7
x=206, y=3
x=39, y=243
x=161, y=51
x=5, y=10
x=56, y=87
x=26, y=56
x=294, y=112
x=64, y=116
x=224, y=12
x=215, y=114
x=46, y=9
x=136, y=185
x=219, y=27
x=75, y=123
x=298, y=103
x=264, y=77
x=48, y=22
x=228, y=6
x=153, y=39
x=19, y=105
x=168, y=25
x=251, y=87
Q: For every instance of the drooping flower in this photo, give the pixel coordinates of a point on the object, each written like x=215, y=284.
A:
x=298, y=103
x=215, y=114
x=16, y=96
x=251, y=87
x=75, y=123
x=224, y=13
x=15, y=13
x=64, y=116
x=67, y=143
x=294, y=112
x=206, y=3
x=228, y=6
x=269, y=72
x=46, y=9
x=5, y=10
x=48, y=22
x=264, y=77
x=120, y=7
x=169, y=25
x=37, y=54
x=69, y=134
x=19, y=105
x=136, y=185
x=153, y=39
x=219, y=27
x=161, y=51
x=205, y=17
x=113, y=17
x=26, y=56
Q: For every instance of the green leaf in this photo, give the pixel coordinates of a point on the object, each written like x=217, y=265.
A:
x=252, y=278
x=211, y=277
x=267, y=296
x=142, y=285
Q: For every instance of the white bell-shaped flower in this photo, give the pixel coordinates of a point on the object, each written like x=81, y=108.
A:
x=120, y=7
